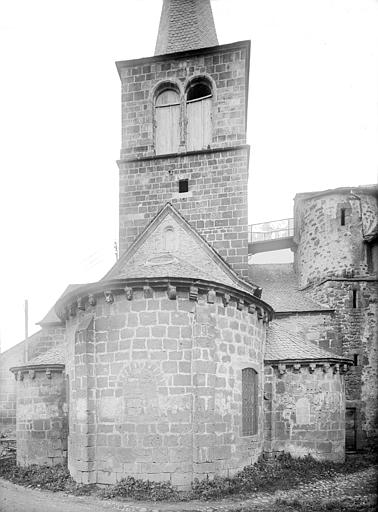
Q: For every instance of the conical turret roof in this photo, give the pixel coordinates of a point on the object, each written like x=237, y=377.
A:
x=185, y=25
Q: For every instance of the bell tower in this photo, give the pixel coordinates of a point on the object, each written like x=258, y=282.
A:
x=184, y=116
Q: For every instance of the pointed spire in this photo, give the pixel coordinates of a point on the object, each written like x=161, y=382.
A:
x=185, y=25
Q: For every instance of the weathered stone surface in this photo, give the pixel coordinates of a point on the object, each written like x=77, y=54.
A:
x=305, y=413
x=42, y=419
x=172, y=405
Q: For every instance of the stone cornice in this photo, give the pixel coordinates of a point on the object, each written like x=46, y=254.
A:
x=88, y=294
x=185, y=54
x=32, y=369
x=280, y=314
x=239, y=147
x=336, y=365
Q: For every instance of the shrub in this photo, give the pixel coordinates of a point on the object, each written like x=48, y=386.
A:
x=141, y=490
x=53, y=478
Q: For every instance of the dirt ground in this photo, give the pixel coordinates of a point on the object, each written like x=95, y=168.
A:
x=14, y=498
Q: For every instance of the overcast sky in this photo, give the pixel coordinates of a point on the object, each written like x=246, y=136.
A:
x=313, y=124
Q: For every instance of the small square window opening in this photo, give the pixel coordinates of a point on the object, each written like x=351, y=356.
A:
x=183, y=186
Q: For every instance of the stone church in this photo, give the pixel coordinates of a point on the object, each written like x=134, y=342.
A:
x=184, y=361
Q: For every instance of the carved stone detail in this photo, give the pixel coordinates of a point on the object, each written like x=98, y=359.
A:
x=109, y=298
x=193, y=293
x=312, y=367
x=148, y=292
x=80, y=304
x=226, y=299
x=282, y=369
x=92, y=300
x=211, y=296
x=171, y=292
x=129, y=293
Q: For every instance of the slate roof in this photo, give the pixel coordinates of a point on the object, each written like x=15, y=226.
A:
x=280, y=288
x=164, y=265
x=51, y=318
x=368, y=189
x=56, y=355
x=372, y=234
x=192, y=257
x=285, y=345
x=185, y=25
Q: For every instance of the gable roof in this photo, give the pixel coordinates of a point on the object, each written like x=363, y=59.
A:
x=51, y=318
x=280, y=288
x=170, y=247
x=285, y=345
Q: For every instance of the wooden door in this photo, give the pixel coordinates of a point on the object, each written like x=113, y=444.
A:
x=199, y=131
x=350, y=429
x=167, y=122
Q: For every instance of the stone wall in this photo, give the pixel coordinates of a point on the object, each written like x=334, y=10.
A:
x=318, y=328
x=49, y=337
x=156, y=387
x=305, y=411
x=41, y=417
x=42, y=341
x=12, y=357
x=216, y=204
x=225, y=66
x=326, y=248
x=356, y=324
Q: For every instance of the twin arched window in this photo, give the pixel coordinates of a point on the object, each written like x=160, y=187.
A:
x=187, y=124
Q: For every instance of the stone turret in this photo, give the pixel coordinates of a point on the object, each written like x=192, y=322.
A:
x=185, y=25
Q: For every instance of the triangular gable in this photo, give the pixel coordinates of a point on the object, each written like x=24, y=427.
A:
x=170, y=246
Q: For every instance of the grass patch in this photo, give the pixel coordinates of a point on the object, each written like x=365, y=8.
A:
x=282, y=473
x=141, y=490
x=347, y=504
x=53, y=478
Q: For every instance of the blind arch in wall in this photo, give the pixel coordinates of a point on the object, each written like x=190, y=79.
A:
x=249, y=402
x=167, y=121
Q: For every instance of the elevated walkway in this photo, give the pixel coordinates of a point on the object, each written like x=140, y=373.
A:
x=271, y=236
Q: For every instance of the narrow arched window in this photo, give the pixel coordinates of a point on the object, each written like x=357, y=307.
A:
x=167, y=121
x=198, y=111
x=249, y=402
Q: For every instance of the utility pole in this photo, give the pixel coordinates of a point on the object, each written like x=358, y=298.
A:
x=26, y=310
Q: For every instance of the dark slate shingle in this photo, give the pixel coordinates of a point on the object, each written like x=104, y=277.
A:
x=282, y=344
x=185, y=25
x=280, y=288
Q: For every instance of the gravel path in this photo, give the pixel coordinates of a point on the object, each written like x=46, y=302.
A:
x=14, y=498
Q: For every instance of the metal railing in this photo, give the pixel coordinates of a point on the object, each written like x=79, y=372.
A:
x=272, y=230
